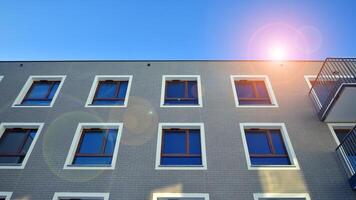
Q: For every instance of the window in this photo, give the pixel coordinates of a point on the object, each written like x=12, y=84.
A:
x=80, y=196
x=5, y=195
x=281, y=196
x=267, y=146
x=253, y=91
x=181, y=91
x=94, y=146
x=1, y=77
x=321, y=90
x=109, y=91
x=180, y=196
x=181, y=146
x=16, y=143
x=341, y=133
x=39, y=91
x=340, y=130
x=310, y=79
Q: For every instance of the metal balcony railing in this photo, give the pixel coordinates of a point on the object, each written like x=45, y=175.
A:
x=334, y=73
x=346, y=151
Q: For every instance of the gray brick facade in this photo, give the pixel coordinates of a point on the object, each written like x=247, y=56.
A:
x=135, y=178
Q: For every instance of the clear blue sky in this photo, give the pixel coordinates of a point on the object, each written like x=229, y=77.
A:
x=176, y=29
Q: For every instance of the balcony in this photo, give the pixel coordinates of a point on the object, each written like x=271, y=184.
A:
x=333, y=91
x=346, y=151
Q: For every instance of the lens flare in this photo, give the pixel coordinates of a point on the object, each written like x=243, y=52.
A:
x=279, y=41
x=278, y=52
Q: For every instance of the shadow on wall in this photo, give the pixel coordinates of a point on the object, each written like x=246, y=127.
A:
x=281, y=182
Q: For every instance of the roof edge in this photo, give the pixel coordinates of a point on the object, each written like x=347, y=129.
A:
x=89, y=60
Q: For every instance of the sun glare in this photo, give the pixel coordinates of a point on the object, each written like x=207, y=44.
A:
x=278, y=52
x=282, y=41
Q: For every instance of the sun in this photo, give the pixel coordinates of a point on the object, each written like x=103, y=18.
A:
x=278, y=52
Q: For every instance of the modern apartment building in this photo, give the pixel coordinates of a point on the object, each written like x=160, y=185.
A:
x=178, y=130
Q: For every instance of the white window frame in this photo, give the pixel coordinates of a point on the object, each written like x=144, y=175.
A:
x=180, y=195
x=38, y=126
x=257, y=196
x=290, y=150
x=309, y=78
x=70, y=157
x=7, y=195
x=108, y=77
x=182, y=78
x=339, y=125
x=28, y=84
x=181, y=125
x=272, y=97
x=59, y=195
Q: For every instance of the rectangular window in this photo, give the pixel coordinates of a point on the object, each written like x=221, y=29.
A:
x=80, y=196
x=5, y=195
x=341, y=133
x=181, y=146
x=180, y=196
x=267, y=146
x=253, y=91
x=16, y=143
x=284, y=198
x=321, y=89
x=94, y=146
x=281, y=196
x=109, y=91
x=340, y=130
x=181, y=91
x=39, y=91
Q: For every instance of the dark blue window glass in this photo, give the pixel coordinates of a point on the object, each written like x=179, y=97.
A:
x=270, y=161
x=182, y=198
x=341, y=133
x=110, y=93
x=278, y=142
x=92, y=142
x=181, y=93
x=266, y=147
x=257, y=142
x=194, y=142
x=175, y=89
x=192, y=89
x=174, y=142
x=252, y=92
x=181, y=147
x=41, y=93
x=96, y=147
x=323, y=88
x=110, y=141
x=14, y=144
x=77, y=198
